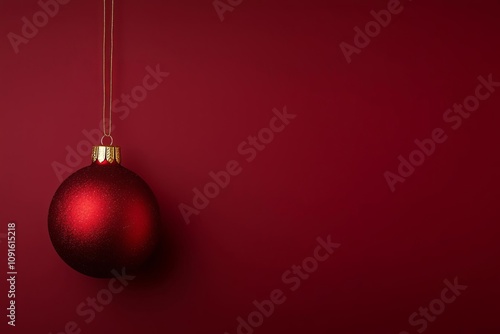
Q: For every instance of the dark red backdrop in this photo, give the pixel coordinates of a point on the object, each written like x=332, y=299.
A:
x=323, y=175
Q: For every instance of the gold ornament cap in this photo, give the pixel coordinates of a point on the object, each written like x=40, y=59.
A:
x=106, y=154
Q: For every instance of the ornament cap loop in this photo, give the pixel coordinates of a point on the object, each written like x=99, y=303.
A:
x=104, y=155
x=110, y=138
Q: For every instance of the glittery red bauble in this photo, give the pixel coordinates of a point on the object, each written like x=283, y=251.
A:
x=104, y=217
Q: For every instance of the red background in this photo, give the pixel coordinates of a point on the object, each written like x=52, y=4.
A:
x=322, y=176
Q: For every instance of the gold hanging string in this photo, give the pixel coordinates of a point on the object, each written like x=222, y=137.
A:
x=107, y=98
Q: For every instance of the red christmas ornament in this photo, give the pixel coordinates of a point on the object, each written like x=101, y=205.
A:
x=104, y=217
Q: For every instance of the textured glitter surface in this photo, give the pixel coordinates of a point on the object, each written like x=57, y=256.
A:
x=103, y=217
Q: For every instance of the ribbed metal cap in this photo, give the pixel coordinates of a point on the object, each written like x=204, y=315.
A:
x=106, y=154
